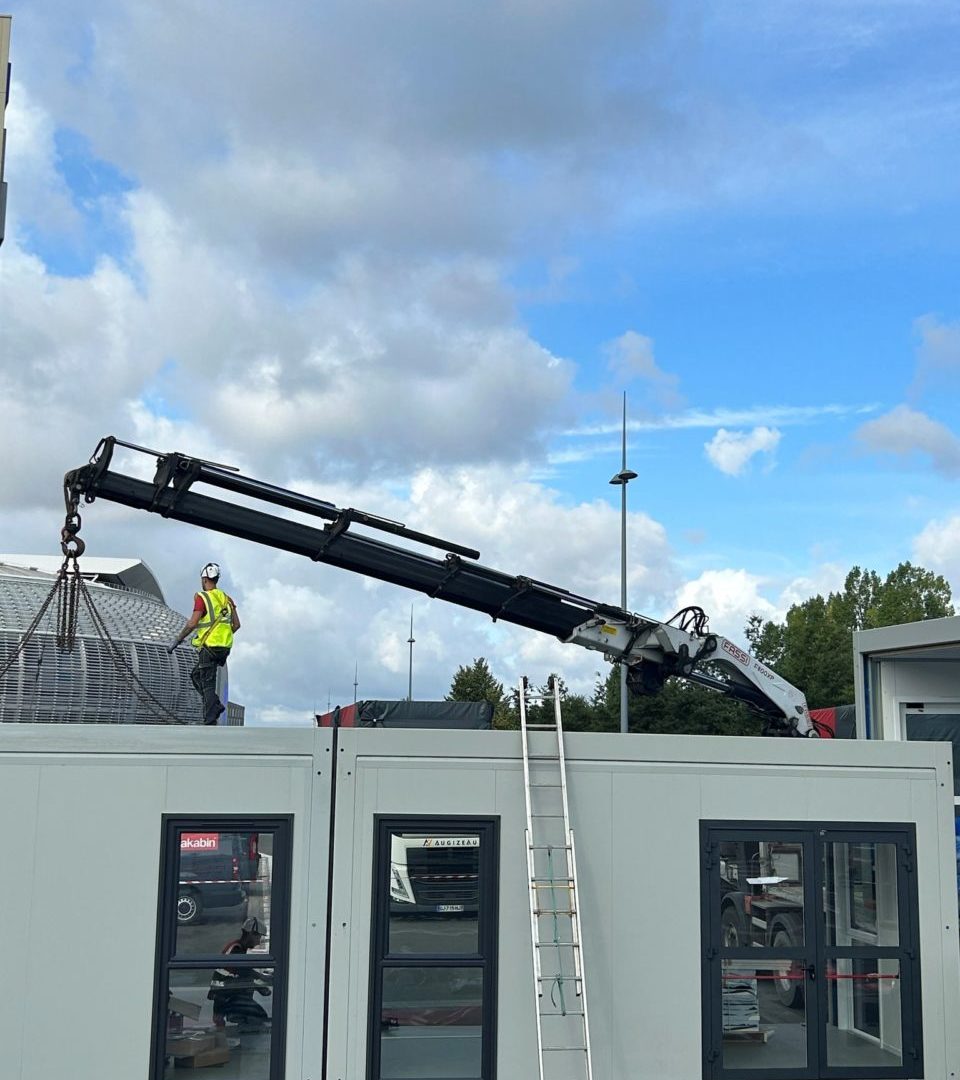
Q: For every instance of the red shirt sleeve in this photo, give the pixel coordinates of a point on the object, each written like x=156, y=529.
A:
x=198, y=604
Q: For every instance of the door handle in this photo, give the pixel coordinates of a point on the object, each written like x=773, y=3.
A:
x=811, y=971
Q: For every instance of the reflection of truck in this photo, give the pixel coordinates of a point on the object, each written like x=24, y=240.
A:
x=761, y=903
x=434, y=874
x=216, y=870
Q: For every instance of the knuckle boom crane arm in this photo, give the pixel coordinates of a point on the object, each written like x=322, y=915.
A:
x=652, y=650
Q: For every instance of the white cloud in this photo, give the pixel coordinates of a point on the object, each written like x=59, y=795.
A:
x=425, y=129
x=380, y=368
x=361, y=128
x=732, y=451
x=938, y=358
x=276, y=716
x=729, y=597
x=937, y=547
x=823, y=580
x=630, y=357
x=761, y=415
x=40, y=196
x=904, y=431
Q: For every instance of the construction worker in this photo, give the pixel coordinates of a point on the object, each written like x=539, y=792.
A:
x=232, y=989
x=213, y=623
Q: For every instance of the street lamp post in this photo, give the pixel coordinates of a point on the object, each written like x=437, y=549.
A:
x=621, y=479
x=410, y=641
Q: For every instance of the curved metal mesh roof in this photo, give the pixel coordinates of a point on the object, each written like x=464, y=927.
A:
x=47, y=685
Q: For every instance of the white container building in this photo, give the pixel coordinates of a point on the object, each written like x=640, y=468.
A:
x=764, y=908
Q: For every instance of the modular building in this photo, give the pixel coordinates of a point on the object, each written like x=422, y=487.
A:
x=908, y=686
x=770, y=908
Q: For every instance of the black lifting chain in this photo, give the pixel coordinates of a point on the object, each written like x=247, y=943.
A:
x=68, y=589
x=69, y=581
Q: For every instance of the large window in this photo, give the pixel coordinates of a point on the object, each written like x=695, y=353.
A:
x=434, y=947
x=811, y=965
x=222, y=947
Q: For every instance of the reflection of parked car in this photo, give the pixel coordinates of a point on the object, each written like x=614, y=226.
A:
x=434, y=874
x=216, y=870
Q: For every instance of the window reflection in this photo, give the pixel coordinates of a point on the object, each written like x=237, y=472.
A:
x=860, y=897
x=224, y=880
x=864, y=1023
x=204, y=1029
x=759, y=1032
x=761, y=893
x=431, y=1023
x=434, y=894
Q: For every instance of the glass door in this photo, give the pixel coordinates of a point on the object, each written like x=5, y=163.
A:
x=810, y=964
x=871, y=970
x=761, y=954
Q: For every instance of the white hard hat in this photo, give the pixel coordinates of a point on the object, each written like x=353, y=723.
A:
x=211, y=571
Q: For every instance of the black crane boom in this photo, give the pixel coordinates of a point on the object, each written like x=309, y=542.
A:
x=456, y=577
x=653, y=650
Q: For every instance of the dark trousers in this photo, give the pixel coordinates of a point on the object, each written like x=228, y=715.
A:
x=238, y=1006
x=204, y=679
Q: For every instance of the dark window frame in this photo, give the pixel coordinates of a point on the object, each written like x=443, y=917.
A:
x=167, y=961
x=488, y=925
x=814, y=836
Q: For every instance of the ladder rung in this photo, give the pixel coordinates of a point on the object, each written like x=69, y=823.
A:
x=541, y=727
x=558, y=944
x=559, y=882
x=549, y=885
x=547, y=785
x=556, y=911
x=548, y=815
x=563, y=1049
x=549, y=847
x=567, y=1013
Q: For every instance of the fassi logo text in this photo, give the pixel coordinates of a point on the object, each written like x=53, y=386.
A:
x=736, y=653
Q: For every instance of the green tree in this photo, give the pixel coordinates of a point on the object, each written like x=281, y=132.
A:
x=679, y=708
x=909, y=594
x=476, y=682
x=813, y=647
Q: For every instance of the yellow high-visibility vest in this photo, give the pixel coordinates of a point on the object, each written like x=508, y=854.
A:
x=215, y=628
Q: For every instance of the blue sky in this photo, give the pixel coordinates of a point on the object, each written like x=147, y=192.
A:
x=410, y=257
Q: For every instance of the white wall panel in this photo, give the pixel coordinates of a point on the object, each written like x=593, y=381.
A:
x=19, y=794
x=81, y=872
x=93, y=925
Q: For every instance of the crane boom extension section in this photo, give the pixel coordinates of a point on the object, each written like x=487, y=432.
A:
x=653, y=650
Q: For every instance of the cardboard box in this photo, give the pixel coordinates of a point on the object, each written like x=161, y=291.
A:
x=219, y=1055
x=191, y=1045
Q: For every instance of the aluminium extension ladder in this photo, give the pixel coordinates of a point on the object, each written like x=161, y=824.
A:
x=563, y=1031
